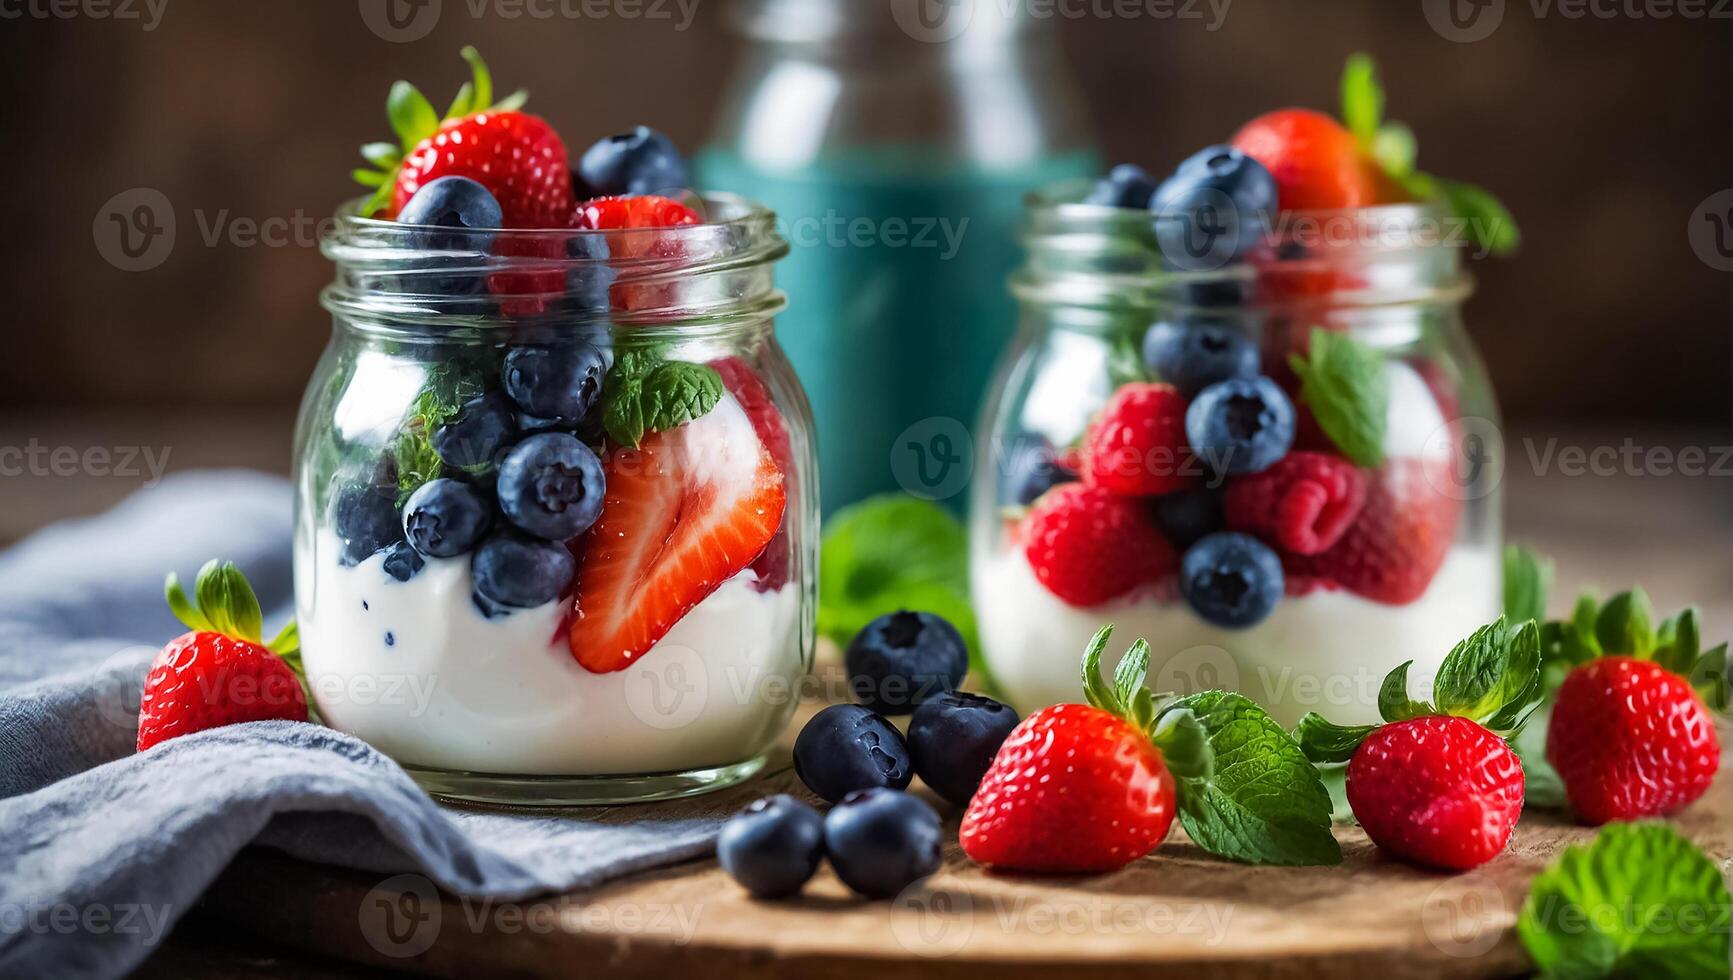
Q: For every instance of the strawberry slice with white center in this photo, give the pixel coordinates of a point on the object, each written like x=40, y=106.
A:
x=684, y=512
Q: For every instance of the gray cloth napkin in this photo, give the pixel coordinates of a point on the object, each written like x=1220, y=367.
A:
x=102, y=849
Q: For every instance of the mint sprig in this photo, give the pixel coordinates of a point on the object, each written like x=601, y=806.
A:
x=895, y=552
x=645, y=393
x=1393, y=147
x=1638, y=901
x=1244, y=789
x=1342, y=380
x=1492, y=678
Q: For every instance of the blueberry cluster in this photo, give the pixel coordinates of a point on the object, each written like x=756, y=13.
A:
x=514, y=482
x=903, y=662
x=879, y=841
x=1209, y=213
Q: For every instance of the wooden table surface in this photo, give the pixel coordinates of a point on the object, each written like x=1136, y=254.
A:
x=1672, y=533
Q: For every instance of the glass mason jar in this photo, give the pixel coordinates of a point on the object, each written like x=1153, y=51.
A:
x=1409, y=566
x=895, y=141
x=470, y=419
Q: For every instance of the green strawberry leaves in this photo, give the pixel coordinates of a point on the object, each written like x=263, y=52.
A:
x=414, y=119
x=1625, y=626
x=1329, y=744
x=1638, y=901
x=1245, y=790
x=223, y=602
x=1527, y=581
x=1342, y=380
x=1393, y=147
x=645, y=393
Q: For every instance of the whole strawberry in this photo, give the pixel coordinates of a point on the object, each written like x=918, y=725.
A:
x=1138, y=446
x=222, y=672
x=1317, y=163
x=1084, y=788
x=516, y=156
x=1438, y=785
x=1088, y=545
x=1629, y=735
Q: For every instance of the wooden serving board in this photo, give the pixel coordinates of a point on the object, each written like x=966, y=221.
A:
x=1179, y=908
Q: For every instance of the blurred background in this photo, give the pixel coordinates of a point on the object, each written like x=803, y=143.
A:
x=1605, y=135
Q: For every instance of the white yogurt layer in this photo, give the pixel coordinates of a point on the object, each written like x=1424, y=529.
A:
x=417, y=671
x=1326, y=652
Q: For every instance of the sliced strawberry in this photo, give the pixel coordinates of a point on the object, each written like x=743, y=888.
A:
x=684, y=512
x=748, y=389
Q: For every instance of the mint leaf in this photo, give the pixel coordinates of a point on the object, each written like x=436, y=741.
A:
x=1527, y=580
x=1265, y=803
x=1543, y=789
x=1637, y=901
x=1343, y=382
x=1624, y=624
x=1493, y=677
x=1325, y=742
x=895, y=552
x=646, y=393
x=1362, y=99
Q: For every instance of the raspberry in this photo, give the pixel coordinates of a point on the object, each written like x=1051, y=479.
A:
x=1088, y=546
x=1390, y=553
x=1138, y=446
x=1303, y=504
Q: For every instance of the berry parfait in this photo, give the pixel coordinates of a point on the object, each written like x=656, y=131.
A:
x=1242, y=418
x=556, y=513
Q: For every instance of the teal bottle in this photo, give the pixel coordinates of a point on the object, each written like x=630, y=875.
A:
x=896, y=152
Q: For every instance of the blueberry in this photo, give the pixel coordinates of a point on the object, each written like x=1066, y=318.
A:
x=1193, y=356
x=952, y=741
x=555, y=382
x=365, y=520
x=1125, y=186
x=881, y=841
x=1187, y=515
x=403, y=561
x=589, y=277
x=474, y=437
x=1231, y=580
x=845, y=747
x=444, y=518
x=531, y=424
x=903, y=658
x=1031, y=470
x=772, y=847
x=1243, y=425
x=511, y=571
x=453, y=202
x=551, y=486
x=642, y=161
x=1214, y=208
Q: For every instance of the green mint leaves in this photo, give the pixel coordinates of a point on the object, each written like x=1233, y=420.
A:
x=1245, y=790
x=1265, y=803
x=414, y=119
x=1638, y=901
x=1342, y=380
x=1393, y=146
x=894, y=552
x=645, y=393
x=223, y=602
x=442, y=396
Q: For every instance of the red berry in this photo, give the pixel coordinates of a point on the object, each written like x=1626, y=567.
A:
x=516, y=156
x=1138, y=446
x=1393, y=549
x=748, y=389
x=1630, y=739
x=1438, y=791
x=1073, y=789
x=1303, y=504
x=1088, y=546
x=635, y=247
x=1316, y=162
x=203, y=680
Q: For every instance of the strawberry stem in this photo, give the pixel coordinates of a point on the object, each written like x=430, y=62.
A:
x=1182, y=738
